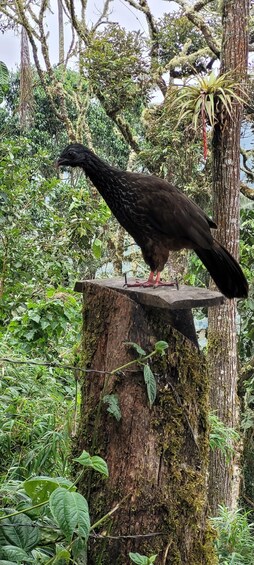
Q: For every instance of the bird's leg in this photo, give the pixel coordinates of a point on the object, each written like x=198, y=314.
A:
x=151, y=282
x=158, y=282
x=140, y=283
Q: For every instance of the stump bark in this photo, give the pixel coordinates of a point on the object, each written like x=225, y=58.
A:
x=157, y=457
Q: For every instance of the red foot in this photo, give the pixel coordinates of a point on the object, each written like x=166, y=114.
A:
x=162, y=283
x=151, y=282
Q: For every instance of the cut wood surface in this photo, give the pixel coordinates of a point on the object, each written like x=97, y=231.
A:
x=186, y=297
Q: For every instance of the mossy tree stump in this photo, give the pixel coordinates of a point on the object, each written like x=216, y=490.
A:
x=157, y=457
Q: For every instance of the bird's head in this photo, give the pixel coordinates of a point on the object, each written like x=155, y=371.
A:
x=72, y=156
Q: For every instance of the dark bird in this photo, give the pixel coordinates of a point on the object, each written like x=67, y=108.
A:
x=160, y=218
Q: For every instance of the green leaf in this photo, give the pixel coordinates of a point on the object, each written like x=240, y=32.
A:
x=62, y=557
x=77, y=547
x=13, y=552
x=96, y=248
x=40, y=488
x=137, y=348
x=161, y=346
x=29, y=335
x=95, y=462
x=4, y=74
x=142, y=559
x=70, y=510
x=19, y=531
x=34, y=316
x=150, y=384
x=100, y=465
x=84, y=459
x=113, y=405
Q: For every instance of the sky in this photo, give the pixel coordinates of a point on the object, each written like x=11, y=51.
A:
x=121, y=12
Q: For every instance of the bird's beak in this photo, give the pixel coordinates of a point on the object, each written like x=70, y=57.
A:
x=59, y=162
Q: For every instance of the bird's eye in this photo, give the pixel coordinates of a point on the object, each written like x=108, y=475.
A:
x=71, y=153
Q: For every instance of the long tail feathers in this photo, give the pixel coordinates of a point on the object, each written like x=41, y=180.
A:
x=224, y=270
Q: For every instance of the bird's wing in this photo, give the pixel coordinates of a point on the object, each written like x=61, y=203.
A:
x=172, y=213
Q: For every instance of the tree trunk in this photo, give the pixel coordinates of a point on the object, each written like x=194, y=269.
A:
x=157, y=457
x=26, y=82
x=223, y=363
x=60, y=33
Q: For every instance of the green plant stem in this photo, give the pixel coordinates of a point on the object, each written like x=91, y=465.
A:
x=24, y=510
x=139, y=360
x=106, y=516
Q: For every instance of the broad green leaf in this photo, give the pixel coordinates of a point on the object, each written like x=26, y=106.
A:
x=150, y=384
x=100, y=465
x=96, y=248
x=84, y=459
x=34, y=316
x=17, y=553
x=161, y=346
x=29, y=335
x=70, y=510
x=95, y=462
x=19, y=531
x=78, y=546
x=137, y=348
x=142, y=559
x=113, y=405
x=40, y=488
x=62, y=557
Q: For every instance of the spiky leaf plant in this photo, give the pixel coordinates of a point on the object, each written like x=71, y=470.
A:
x=200, y=97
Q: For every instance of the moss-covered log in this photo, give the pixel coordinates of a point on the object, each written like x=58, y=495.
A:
x=157, y=457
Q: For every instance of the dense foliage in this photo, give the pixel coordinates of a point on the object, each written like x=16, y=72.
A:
x=55, y=229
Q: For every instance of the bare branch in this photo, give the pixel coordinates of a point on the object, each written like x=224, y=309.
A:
x=246, y=191
x=200, y=4
x=143, y=7
x=80, y=27
x=153, y=32
x=11, y=15
x=127, y=133
x=191, y=12
x=43, y=38
x=55, y=87
x=246, y=155
x=190, y=59
x=71, y=47
x=104, y=15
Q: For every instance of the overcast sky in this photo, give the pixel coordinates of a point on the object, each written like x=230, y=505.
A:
x=121, y=12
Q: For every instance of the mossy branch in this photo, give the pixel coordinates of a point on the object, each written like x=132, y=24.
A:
x=246, y=191
x=191, y=12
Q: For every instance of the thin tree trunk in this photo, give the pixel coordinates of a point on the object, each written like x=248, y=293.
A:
x=26, y=83
x=223, y=358
x=60, y=32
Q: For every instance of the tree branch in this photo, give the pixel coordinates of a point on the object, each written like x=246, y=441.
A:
x=246, y=191
x=191, y=12
x=104, y=15
x=55, y=87
x=153, y=32
x=80, y=27
x=179, y=60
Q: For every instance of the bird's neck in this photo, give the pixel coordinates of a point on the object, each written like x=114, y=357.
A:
x=102, y=175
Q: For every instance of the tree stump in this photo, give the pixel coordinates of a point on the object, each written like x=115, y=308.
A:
x=157, y=457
